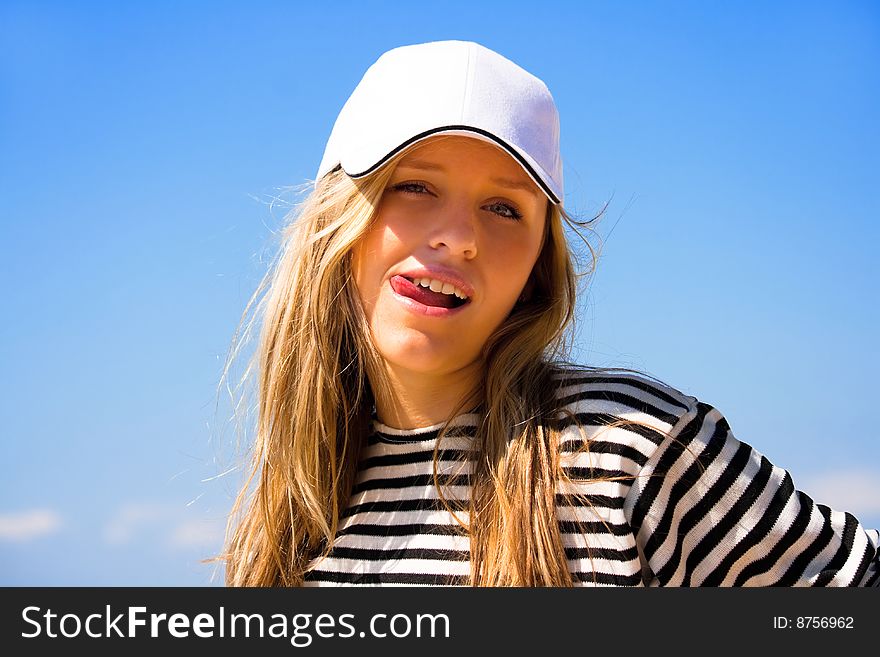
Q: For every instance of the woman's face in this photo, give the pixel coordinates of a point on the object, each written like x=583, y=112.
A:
x=460, y=211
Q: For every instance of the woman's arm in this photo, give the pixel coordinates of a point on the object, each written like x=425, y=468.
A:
x=709, y=510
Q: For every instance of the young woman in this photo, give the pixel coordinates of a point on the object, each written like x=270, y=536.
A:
x=418, y=420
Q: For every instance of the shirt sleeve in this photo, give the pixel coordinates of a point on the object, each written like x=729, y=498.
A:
x=709, y=510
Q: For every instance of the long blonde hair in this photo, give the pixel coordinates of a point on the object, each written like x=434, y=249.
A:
x=315, y=400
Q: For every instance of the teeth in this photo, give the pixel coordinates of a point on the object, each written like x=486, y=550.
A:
x=440, y=286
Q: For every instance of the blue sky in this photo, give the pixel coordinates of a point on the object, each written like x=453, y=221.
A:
x=142, y=146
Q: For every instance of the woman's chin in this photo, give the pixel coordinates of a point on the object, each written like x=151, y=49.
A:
x=423, y=359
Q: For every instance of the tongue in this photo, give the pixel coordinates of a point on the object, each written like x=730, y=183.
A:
x=422, y=294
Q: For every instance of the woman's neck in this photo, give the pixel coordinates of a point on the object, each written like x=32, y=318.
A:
x=416, y=399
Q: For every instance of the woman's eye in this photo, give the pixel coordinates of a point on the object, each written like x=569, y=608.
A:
x=505, y=210
x=410, y=187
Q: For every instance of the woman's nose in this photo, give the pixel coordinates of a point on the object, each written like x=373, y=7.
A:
x=456, y=230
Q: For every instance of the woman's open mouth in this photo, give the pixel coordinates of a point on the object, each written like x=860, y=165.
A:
x=424, y=300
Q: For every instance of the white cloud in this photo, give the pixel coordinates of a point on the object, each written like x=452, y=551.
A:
x=28, y=525
x=197, y=534
x=131, y=519
x=855, y=490
x=169, y=526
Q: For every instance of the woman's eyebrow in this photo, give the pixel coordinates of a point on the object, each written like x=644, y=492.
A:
x=509, y=183
x=420, y=164
x=516, y=184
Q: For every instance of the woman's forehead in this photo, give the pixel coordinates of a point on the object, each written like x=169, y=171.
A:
x=442, y=151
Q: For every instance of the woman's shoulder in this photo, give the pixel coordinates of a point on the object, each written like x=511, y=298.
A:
x=605, y=394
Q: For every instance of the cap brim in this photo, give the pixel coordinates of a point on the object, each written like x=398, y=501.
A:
x=363, y=163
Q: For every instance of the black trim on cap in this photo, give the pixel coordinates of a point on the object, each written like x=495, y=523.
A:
x=468, y=128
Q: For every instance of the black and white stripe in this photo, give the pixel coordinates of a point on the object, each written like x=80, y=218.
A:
x=688, y=504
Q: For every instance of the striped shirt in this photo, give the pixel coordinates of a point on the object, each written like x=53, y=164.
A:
x=691, y=505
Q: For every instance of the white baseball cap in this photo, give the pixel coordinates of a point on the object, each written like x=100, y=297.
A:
x=415, y=92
